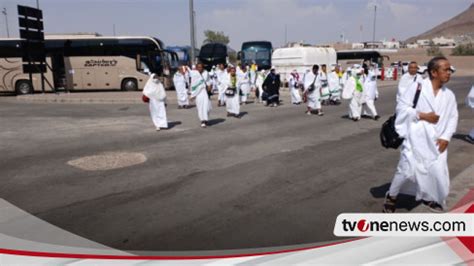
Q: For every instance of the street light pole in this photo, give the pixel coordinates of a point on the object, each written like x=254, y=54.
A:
x=37, y=4
x=373, y=34
x=4, y=11
x=192, y=27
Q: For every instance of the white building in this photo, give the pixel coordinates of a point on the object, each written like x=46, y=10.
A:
x=391, y=45
x=441, y=41
x=424, y=42
x=412, y=46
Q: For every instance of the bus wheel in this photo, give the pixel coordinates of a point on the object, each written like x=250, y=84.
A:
x=129, y=85
x=23, y=87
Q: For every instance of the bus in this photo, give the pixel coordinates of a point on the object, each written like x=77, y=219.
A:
x=350, y=57
x=212, y=54
x=87, y=62
x=258, y=52
x=183, y=53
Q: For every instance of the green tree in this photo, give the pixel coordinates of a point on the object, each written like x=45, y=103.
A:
x=216, y=36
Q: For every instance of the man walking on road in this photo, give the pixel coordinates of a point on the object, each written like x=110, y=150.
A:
x=427, y=117
x=200, y=87
x=312, y=86
x=408, y=79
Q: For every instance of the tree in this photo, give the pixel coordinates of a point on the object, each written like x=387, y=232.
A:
x=464, y=49
x=434, y=50
x=216, y=36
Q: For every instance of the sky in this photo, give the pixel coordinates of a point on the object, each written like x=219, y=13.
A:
x=310, y=21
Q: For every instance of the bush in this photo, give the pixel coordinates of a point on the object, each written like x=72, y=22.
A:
x=464, y=49
x=434, y=50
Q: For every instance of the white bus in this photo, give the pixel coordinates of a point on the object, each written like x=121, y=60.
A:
x=88, y=62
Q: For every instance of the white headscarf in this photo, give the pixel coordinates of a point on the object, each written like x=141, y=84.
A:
x=154, y=89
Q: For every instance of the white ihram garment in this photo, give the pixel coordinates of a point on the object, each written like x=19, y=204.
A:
x=180, y=84
x=155, y=91
x=405, y=82
x=371, y=93
x=314, y=96
x=244, y=78
x=422, y=170
x=221, y=76
x=199, y=91
x=294, y=91
x=232, y=102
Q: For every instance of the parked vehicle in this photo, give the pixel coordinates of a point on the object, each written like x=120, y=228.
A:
x=212, y=54
x=258, y=52
x=301, y=58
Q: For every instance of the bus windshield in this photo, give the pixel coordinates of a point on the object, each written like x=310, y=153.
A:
x=259, y=53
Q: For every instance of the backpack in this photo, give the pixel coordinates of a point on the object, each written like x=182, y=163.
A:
x=388, y=135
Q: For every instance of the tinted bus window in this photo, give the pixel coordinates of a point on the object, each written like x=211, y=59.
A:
x=11, y=49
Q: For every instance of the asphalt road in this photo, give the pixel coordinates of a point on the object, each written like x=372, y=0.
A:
x=275, y=177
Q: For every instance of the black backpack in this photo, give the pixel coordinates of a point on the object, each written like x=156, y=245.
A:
x=388, y=135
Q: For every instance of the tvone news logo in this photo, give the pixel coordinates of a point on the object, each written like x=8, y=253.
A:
x=350, y=226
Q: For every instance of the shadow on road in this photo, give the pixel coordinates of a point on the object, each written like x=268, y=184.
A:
x=214, y=122
x=173, y=124
x=463, y=137
x=404, y=201
x=242, y=114
x=346, y=117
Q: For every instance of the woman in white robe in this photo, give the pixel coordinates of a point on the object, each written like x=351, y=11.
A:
x=199, y=90
x=354, y=92
x=232, y=84
x=324, y=91
x=221, y=74
x=259, y=83
x=181, y=87
x=335, y=87
x=244, y=78
x=156, y=94
x=293, y=84
x=371, y=94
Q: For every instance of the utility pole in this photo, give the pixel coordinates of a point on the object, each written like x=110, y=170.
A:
x=37, y=4
x=373, y=34
x=286, y=35
x=114, y=28
x=4, y=11
x=192, y=27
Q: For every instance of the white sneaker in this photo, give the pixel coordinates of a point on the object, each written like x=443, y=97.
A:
x=308, y=113
x=158, y=129
x=203, y=125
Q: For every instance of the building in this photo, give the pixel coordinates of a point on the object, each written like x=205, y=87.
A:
x=391, y=45
x=423, y=43
x=412, y=46
x=441, y=41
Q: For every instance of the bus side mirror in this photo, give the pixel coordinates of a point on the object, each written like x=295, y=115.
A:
x=239, y=55
x=139, y=62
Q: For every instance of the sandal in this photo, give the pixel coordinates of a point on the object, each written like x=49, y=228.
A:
x=389, y=204
x=434, y=206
